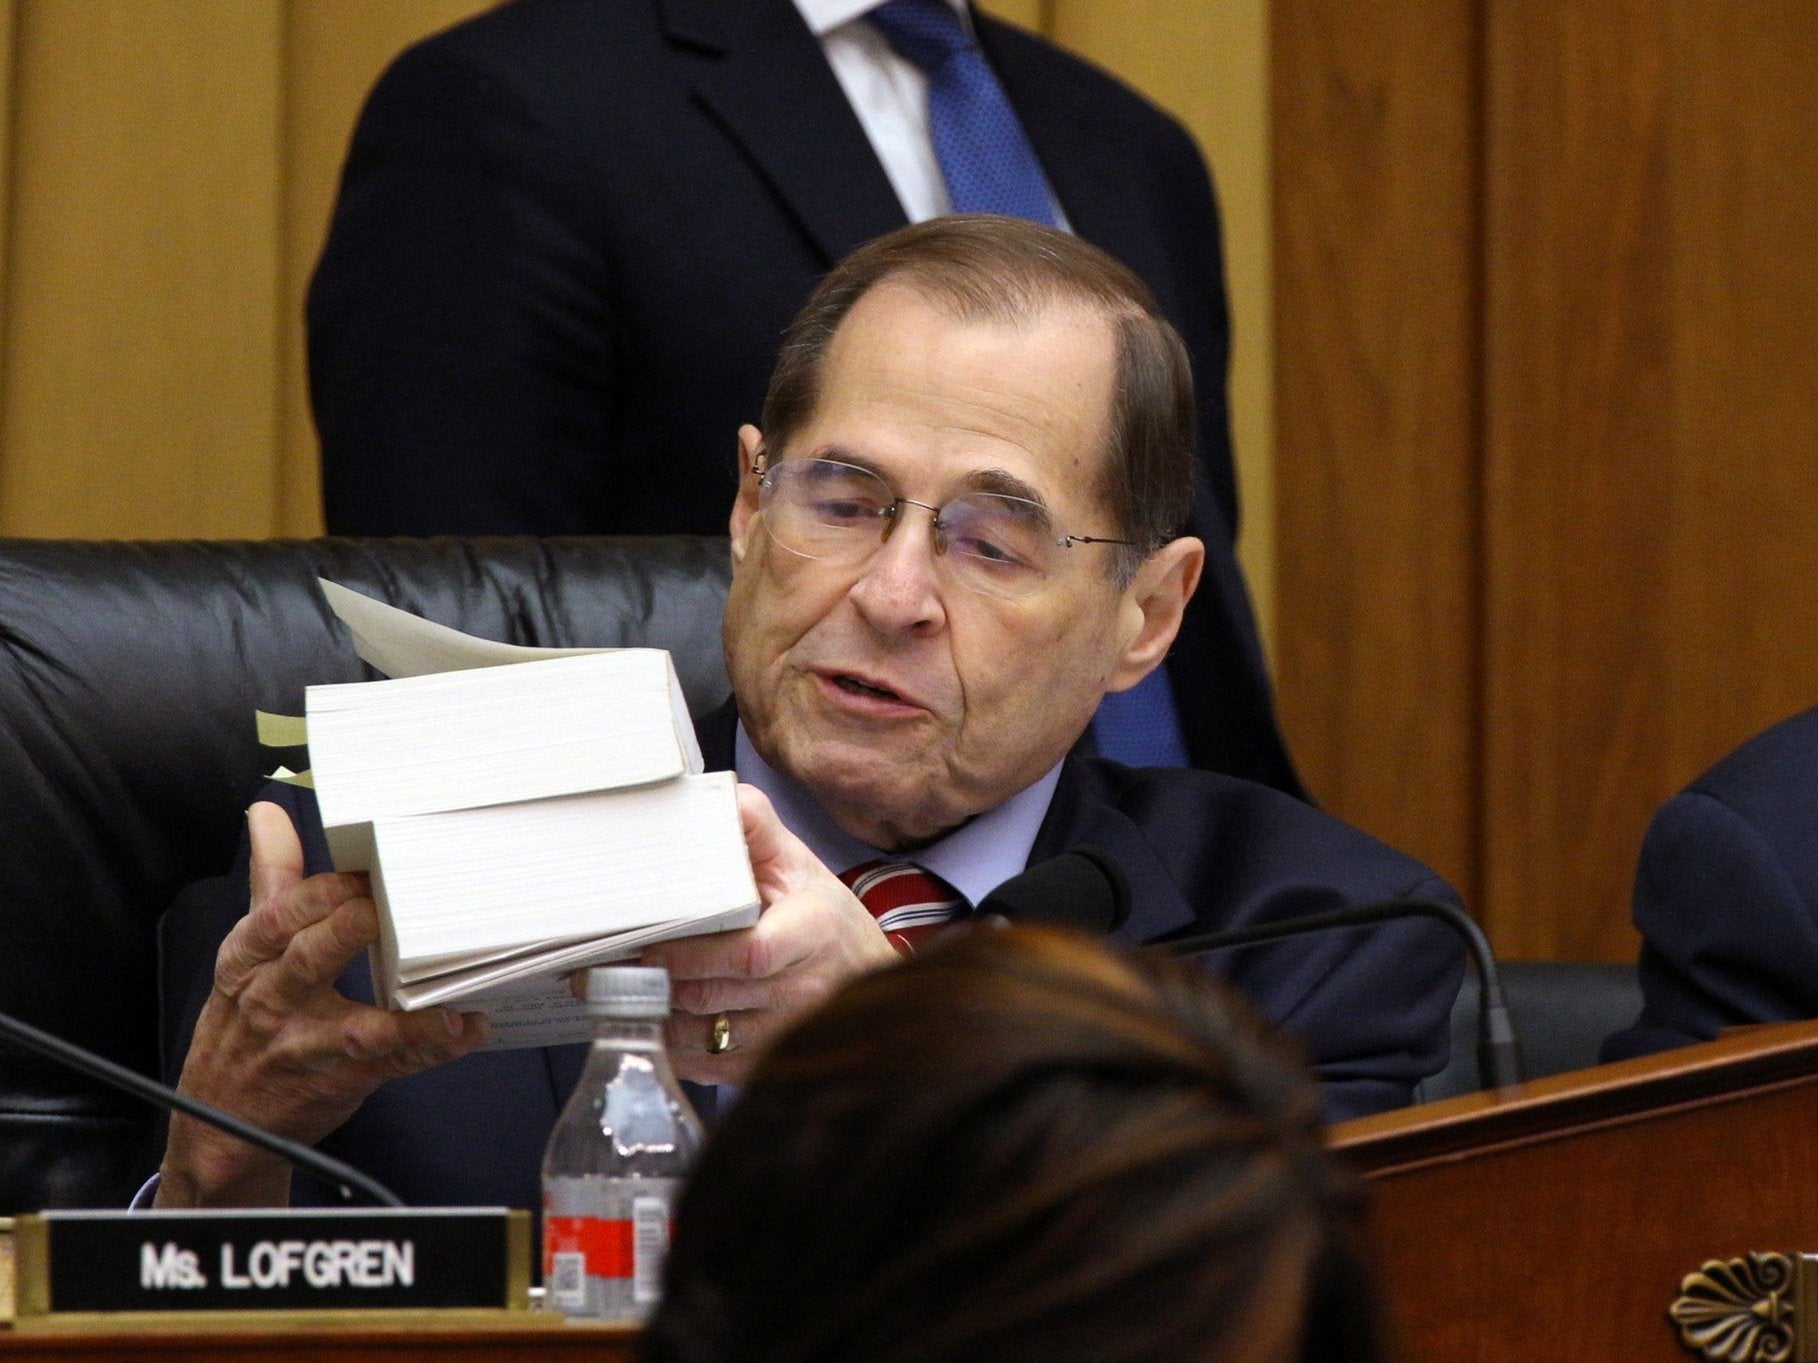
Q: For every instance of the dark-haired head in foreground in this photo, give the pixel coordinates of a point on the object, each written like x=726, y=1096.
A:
x=1020, y=1145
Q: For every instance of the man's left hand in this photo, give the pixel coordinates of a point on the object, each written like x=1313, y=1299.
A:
x=812, y=937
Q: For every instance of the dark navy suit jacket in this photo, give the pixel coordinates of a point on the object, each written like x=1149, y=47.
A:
x=1726, y=896
x=571, y=233
x=1201, y=852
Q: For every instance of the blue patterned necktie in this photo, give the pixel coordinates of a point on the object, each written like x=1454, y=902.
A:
x=984, y=153
x=990, y=167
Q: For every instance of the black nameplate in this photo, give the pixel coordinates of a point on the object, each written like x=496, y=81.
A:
x=362, y=1258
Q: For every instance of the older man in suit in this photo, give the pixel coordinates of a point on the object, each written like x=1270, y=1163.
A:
x=957, y=530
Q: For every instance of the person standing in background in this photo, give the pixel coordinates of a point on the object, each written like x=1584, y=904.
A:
x=571, y=232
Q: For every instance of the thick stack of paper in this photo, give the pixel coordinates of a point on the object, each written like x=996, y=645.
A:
x=519, y=820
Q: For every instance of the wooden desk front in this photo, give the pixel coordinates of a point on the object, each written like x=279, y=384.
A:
x=1555, y=1221
x=1551, y=1222
x=400, y=1342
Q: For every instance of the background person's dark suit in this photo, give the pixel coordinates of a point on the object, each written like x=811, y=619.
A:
x=571, y=233
x=1201, y=852
x=1726, y=896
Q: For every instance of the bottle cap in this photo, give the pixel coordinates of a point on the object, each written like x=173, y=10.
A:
x=628, y=991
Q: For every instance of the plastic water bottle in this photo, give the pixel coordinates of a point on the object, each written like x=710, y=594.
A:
x=617, y=1156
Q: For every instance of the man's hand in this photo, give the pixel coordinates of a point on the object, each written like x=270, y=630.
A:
x=813, y=936
x=276, y=1043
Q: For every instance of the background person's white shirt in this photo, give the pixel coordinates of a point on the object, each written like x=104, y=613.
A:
x=889, y=94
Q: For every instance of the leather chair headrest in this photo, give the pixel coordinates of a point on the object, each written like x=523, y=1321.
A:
x=129, y=673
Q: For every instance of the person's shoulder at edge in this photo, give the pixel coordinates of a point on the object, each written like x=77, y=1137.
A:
x=1726, y=896
x=551, y=63
x=505, y=35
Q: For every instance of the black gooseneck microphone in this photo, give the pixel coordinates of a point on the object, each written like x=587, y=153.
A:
x=1081, y=888
x=1498, y=1056
x=333, y=1171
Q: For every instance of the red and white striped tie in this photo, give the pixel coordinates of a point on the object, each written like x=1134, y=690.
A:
x=910, y=905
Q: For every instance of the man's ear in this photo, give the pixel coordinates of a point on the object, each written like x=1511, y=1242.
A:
x=1152, y=606
x=745, y=505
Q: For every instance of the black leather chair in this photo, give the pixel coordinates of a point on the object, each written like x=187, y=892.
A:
x=1561, y=1010
x=129, y=673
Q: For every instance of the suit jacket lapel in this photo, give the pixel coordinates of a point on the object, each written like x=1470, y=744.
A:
x=1080, y=816
x=779, y=101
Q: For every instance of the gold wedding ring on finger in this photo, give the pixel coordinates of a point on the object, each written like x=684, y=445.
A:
x=719, y=1036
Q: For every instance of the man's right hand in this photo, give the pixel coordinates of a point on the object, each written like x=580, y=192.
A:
x=812, y=937
x=276, y=1043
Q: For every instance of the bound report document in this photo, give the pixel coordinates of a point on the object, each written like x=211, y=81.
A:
x=521, y=813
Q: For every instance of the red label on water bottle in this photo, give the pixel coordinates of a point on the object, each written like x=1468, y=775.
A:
x=604, y=1242
x=607, y=1247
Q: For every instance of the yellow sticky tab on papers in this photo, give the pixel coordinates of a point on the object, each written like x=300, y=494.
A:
x=281, y=731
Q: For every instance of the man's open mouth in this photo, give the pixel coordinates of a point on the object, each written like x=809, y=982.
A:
x=860, y=688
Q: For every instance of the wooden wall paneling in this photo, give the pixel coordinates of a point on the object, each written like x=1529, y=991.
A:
x=1376, y=319
x=1209, y=66
x=1646, y=364
x=1554, y=1222
x=143, y=299
x=6, y=189
x=1577, y=438
x=1744, y=537
x=6, y=163
x=1653, y=574
x=169, y=177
